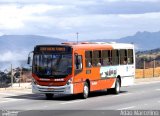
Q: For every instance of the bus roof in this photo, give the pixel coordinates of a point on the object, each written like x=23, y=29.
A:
x=94, y=45
x=100, y=45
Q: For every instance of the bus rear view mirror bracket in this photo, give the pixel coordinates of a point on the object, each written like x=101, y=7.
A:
x=29, y=58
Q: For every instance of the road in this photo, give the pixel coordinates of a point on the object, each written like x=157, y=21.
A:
x=143, y=96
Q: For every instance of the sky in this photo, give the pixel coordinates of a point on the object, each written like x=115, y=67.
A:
x=92, y=19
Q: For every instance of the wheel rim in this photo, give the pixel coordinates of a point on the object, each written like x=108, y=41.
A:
x=86, y=91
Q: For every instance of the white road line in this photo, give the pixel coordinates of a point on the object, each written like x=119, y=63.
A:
x=157, y=89
x=10, y=100
x=45, y=106
x=10, y=94
x=72, y=102
x=126, y=108
x=121, y=94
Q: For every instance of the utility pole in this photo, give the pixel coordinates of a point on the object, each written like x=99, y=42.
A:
x=144, y=68
x=11, y=77
x=154, y=65
x=77, y=37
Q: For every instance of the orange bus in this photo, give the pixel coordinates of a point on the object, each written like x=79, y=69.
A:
x=71, y=68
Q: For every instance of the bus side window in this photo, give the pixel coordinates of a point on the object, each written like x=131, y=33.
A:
x=123, y=56
x=106, y=57
x=130, y=56
x=96, y=58
x=88, y=58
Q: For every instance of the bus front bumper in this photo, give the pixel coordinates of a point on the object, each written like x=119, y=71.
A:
x=66, y=89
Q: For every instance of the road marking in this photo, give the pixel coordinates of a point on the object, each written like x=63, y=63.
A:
x=126, y=108
x=45, y=106
x=10, y=94
x=121, y=94
x=72, y=102
x=10, y=100
x=157, y=89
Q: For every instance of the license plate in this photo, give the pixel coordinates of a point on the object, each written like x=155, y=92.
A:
x=51, y=89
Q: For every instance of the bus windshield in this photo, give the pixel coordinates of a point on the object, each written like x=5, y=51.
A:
x=52, y=65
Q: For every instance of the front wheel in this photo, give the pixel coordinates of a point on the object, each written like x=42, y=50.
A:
x=49, y=96
x=85, y=91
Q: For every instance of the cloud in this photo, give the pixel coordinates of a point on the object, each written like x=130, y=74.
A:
x=131, y=0
x=93, y=19
x=10, y=56
x=14, y=16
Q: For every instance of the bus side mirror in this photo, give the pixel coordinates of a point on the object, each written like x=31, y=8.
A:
x=29, y=60
x=78, y=61
x=29, y=57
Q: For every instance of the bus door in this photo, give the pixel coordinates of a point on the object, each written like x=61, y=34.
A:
x=78, y=78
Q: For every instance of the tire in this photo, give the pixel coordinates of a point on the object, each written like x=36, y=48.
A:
x=85, y=91
x=116, y=90
x=49, y=96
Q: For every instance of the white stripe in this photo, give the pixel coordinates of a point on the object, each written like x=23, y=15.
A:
x=10, y=100
x=127, y=108
x=72, y=102
x=157, y=89
x=10, y=94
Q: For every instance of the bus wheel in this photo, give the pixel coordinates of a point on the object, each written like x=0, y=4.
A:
x=116, y=90
x=85, y=90
x=49, y=96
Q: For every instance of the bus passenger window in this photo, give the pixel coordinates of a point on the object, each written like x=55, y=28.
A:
x=106, y=58
x=115, y=57
x=130, y=56
x=88, y=58
x=123, y=56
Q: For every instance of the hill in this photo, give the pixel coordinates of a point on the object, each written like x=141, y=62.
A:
x=24, y=42
x=148, y=56
x=142, y=40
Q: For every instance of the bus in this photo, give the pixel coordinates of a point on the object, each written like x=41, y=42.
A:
x=80, y=68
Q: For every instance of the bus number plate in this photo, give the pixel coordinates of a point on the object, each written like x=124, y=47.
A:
x=51, y=89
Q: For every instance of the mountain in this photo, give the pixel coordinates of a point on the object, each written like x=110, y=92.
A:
x=25, y=42
x=142, y=40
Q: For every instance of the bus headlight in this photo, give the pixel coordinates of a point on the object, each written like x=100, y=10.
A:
x=34, y=81
x=69, y=81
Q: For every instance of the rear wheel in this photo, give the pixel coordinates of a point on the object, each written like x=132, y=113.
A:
x=85, y=91
x=116, y=90
x=49, y=96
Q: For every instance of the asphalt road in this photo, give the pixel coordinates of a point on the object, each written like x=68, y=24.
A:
x=143, y=96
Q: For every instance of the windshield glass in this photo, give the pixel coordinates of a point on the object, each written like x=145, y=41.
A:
x=56, y=65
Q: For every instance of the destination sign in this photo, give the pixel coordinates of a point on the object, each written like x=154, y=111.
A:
x=62, y=49
x=53, y=49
